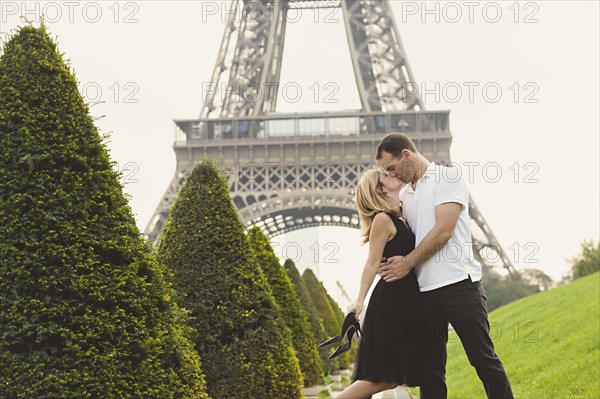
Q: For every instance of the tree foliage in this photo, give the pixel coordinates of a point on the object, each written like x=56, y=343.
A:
x=327, y=317
x=502, y=290
x=588, y=261
x=86, y=310
x=239, y=334
x=292, y=311
x=307, y=303
x=537, y=278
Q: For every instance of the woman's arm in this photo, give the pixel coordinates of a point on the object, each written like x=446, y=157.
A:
x=381, y=229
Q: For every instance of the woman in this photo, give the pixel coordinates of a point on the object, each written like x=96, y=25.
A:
x=391, y=351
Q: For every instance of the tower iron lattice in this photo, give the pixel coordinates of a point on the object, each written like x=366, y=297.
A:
x=292, y=171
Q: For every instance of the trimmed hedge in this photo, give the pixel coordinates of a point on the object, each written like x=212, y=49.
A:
x=86, y=311
x=328, y=318
x=239, y=334
x=293, y=313
x=307, y=304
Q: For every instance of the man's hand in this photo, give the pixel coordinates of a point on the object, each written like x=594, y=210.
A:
x=394, y=268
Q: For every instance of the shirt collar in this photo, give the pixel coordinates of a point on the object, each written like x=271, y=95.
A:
x=429, y=171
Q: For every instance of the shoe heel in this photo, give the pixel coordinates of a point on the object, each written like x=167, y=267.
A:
x=359, y=333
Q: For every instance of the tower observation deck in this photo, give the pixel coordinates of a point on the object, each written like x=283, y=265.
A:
x=289, y=171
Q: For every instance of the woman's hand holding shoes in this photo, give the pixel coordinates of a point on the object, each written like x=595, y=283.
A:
x=356, y=308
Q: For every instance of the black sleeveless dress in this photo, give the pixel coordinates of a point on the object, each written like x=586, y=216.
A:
x=392, y=350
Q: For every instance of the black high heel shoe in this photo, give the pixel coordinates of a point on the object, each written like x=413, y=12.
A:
x=351, y=330
x=349, y=321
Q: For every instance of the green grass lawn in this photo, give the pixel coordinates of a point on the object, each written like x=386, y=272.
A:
x=549, y=343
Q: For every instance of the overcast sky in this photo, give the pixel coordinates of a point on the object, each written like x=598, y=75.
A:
x=531, y=120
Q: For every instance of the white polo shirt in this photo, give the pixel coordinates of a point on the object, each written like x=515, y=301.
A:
x=455, y=261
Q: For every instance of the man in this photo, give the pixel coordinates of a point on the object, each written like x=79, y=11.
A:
x=435, y=203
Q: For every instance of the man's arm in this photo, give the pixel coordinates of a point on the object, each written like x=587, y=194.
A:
x=446, y=217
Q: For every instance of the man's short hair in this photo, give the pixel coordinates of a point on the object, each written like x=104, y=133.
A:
x=394, y=143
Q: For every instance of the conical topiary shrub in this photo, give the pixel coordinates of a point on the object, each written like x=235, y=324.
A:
x=314, y=318
x=86, y=311
x=239, y=335
x=291, y=309
x=327, y=316
x=305, y=299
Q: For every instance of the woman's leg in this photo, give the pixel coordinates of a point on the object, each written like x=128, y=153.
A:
x=364, y=389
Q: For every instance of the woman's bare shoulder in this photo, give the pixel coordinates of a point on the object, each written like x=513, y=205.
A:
x=383, y=221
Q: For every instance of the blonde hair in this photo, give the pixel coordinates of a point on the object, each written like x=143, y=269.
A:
x=370, y=200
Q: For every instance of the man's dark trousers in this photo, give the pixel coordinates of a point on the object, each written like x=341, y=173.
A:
x=464, y=305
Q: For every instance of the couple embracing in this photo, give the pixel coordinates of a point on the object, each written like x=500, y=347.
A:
x=414, y=215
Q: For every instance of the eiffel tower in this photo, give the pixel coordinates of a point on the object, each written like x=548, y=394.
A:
x=293, y=171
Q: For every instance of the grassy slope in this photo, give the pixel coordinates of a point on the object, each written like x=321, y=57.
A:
x=549, y=344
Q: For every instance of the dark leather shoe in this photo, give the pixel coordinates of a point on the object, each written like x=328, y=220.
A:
x=349, y=321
